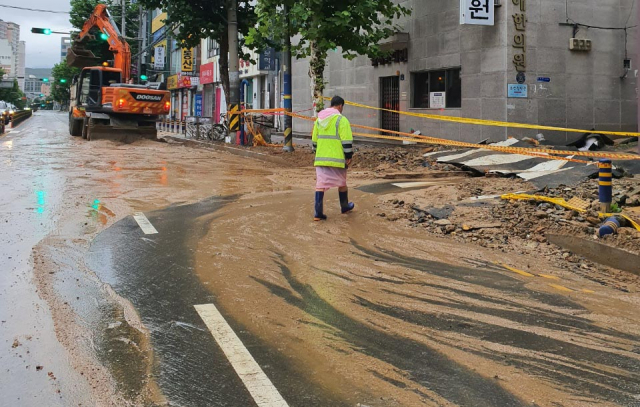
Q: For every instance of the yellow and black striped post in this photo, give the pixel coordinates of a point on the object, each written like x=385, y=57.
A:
x=605, y=190
x=233, y=111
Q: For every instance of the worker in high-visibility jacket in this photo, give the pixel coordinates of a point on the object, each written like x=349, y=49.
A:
x=333, y=144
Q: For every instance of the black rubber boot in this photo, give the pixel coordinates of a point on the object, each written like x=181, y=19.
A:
x=319, y=215
x=345, y=205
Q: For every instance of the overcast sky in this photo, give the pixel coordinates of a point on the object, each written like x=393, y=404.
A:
x=43, y=51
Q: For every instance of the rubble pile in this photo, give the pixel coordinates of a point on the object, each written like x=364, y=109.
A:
x=367, y=157
x=522, y=226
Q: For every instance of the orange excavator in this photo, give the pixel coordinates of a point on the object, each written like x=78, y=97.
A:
x=104, y=105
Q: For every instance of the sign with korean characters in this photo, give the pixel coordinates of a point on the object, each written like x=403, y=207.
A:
x=172, y=82
x=187, y=60
x=516, y=90
x=158, y=58
x=206, y=73
x=477, y=12
x=520, y=38
x=198, y=109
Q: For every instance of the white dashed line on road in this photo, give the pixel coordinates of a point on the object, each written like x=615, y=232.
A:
x=255, y=380
x=144, y=223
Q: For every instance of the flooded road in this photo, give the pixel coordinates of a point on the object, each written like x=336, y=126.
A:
x=352, y=311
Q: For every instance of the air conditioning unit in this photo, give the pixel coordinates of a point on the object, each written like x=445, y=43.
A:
x=579, y=44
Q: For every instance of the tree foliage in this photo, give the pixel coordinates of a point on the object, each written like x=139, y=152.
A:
x=82, y=9
x=60, y=90
x=202, y=19
x=354, y=26
x=13, y=95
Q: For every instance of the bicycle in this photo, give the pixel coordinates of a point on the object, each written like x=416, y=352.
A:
x=220, y=130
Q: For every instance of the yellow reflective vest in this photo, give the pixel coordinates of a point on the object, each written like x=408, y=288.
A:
x=332, y=141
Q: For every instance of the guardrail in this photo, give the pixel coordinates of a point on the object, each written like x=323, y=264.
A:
x=19, y=117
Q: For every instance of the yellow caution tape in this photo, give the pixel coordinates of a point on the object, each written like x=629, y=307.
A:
x=533, y=152
x=494, y=123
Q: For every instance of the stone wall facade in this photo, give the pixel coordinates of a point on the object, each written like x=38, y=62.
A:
x=565, y=88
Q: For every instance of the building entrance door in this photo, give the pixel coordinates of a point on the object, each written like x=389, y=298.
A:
x=390, y=99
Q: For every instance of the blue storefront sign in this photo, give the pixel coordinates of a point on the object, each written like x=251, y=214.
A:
x=516, y=90
x=199, y=105
x=543, y=79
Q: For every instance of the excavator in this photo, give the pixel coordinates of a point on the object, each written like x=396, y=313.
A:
x=104, y=105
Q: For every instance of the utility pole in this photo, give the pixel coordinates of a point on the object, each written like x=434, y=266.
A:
x=286, y=79
x=233, y=110
x=141, y=42
x=124, y=18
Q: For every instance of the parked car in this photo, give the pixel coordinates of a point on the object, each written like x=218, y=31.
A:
x=7, y=110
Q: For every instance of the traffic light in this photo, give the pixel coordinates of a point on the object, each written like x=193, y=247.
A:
x=104, y=36
x=45, y=79
x=41, y=95
x=143, y=72
x=63, y=80
x=45, y=31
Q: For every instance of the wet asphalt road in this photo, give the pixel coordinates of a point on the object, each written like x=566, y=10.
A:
x=421, y=332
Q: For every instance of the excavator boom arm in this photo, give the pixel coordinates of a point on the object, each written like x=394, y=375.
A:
x=101, y=19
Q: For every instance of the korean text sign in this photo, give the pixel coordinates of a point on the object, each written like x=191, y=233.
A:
x=477, y=12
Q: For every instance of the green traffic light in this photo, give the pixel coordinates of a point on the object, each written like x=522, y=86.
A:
x=104, y=36
x=63, y=81
x=45, y=79
x=45, y=31
x=143, y=77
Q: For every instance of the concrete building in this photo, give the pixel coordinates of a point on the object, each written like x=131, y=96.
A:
x=65, y=43
x=11, y=33
x=20, y=64
x=33, y=81
x=45, y=89
x=521, y=69
x=7, y=58
x=212, y=94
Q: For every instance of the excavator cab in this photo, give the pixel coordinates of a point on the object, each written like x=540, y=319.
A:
x=90, y=85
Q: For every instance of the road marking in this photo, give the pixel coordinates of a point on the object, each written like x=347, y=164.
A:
x=144, y=223
x=550, y=277
x=522, y=273
x=262, y=390
x=561, y=288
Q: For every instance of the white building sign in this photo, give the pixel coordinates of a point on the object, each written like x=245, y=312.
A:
x=477, y=12
x=437, y=100
x=158, y=58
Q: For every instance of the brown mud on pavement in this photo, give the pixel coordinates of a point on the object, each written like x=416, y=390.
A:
x=368, y=311
x=353, y=310
x=58, y=193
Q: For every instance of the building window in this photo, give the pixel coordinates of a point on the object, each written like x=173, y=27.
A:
x=425, y=84
x=213, y=49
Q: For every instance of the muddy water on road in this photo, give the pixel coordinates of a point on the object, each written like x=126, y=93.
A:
x=374, y=315
x=353, y=310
